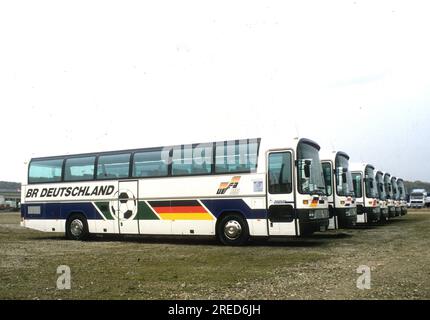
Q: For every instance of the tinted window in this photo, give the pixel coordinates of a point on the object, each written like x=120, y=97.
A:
x=371, y=191
x=356, y=182
x=113, y=166
x=188, y=160
x=380, y=186
x=280, y=180
x=308, y=157
x=328, y=177
x=388, y=189
x=45, y=171
x=79, y=169
x=151, y=163
x=236, y=156
x=343, y=177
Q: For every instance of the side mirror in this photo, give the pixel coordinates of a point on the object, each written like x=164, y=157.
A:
x=307, y=168
x=344, y=177
x=307, y=171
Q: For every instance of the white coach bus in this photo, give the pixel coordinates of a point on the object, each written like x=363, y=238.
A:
x=402, y=191
x=340, y=191
x=363, y=177
x=231, y=189
x=390, y=195
x=382, y=195
x=396, y=196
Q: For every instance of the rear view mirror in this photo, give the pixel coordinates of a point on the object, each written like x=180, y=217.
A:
x=344, y=177
x=307, y=170
x=305, y=165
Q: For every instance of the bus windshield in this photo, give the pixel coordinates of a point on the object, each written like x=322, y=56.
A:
x=396, y=195
x=370, y=182
x=311, y=179
x=402, y=190
x=344, y=185
x=388, y=189
x=381, y=187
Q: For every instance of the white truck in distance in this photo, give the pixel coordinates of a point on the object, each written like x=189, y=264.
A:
x=418, y=198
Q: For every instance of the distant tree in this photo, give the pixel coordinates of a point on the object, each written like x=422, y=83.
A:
x=9, y=185
x=416, y=185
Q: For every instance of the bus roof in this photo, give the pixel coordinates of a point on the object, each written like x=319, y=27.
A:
x=331, y=156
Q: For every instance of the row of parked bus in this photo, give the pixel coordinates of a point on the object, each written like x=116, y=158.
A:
x=358, y=193
x=232, y=189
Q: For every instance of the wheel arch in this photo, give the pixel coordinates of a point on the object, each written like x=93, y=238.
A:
x=76, y=212
x=227, y=212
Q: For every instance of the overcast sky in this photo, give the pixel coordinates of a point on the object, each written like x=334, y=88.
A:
x=82, y=76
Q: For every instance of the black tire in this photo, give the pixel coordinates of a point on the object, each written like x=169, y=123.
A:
x=77, y=222
x=237, y=237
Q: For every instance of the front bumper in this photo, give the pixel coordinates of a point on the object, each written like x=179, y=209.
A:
x=385, y=213
x=373, y=213
x=346, y=217
x=398, y=211
x=311, y=221
x=392, y=212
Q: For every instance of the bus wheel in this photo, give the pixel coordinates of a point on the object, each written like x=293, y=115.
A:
x=233, y=230
x=76, y=227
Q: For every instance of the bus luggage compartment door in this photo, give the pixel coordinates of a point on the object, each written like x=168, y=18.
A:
x=128, y=205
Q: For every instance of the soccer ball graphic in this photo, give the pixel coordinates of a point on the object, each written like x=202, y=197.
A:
x=125, y=208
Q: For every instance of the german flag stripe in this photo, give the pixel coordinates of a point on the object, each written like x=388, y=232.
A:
x=314, y=203
x=180, y=209
x=186, y=216
x=175, y=203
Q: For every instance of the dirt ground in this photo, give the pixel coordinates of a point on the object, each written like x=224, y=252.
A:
x=323, y=266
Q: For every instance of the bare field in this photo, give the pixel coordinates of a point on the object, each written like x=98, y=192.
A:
x=319, y=267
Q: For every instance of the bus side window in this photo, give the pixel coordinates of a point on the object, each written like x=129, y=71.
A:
x=151, y=163
x=79, y=169
x=236, y=156
x=45, y=171
x=113, y=166
x=192, y=160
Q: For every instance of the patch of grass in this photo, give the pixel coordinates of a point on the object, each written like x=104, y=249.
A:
x=112, y=268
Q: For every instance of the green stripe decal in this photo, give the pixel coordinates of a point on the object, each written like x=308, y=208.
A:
x=145, y=212
x=104, y=209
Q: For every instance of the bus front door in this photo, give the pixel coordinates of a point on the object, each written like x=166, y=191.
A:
x=128, y=206
x=280, y=195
